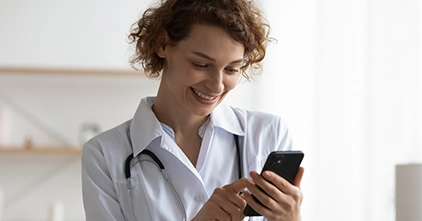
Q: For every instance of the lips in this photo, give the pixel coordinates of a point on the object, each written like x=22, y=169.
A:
x=203, y=96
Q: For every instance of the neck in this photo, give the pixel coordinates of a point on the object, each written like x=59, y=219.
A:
x=171, y=113
x=180, y=123
x=184, y=124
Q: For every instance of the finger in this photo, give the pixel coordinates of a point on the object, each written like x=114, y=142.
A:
x=298, y=178
x=282, y=195
x=266, y=185
x=254, y=204
x=234, y=212
x=222, y=216
x=238, y=201
x=233, y=205
x=279, y=182
x=229, y=200
x=285, y=186
x=262, y=195
x=238, y=185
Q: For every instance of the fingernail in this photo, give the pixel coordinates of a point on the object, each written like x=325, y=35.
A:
x=267, y=174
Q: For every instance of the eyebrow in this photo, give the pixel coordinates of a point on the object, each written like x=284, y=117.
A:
x=212, y=59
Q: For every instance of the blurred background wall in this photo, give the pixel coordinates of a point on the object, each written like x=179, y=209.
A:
x=345, y=76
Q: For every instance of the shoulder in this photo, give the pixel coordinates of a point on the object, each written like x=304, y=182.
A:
x=241, y=122
x=263, y=133
x=263, y=129
x=258, y=119
x=109, y=150
x=111, y=139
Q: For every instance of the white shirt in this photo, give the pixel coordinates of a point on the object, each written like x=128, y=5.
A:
x=105, y=191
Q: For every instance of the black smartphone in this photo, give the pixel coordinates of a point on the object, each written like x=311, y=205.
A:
x=285, y=164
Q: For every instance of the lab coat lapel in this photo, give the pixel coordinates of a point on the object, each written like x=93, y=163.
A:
x=145, y=127
x=168, y=144
x=227, y=119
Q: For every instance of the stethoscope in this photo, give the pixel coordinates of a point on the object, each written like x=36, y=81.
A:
x=131, y=161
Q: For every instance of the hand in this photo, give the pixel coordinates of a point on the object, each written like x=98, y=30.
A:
x=225, y=203
x=282, y=200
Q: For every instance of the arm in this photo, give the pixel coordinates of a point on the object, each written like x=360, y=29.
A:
x=99, y=195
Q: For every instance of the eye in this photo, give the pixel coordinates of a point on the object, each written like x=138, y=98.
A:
x=232, y=70
x=198, y=65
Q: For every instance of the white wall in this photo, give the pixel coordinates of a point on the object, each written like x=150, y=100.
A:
x=66, y=33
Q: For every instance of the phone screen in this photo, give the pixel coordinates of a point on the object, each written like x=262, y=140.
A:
x=285, y=164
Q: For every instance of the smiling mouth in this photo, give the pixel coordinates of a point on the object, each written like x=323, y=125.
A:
x=203, y=96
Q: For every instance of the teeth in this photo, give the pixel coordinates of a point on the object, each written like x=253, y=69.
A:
x=202, y=95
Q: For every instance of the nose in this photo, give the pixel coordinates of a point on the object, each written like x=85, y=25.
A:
x=216, y=82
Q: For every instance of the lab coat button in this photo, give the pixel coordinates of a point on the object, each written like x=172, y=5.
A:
x=199, y=197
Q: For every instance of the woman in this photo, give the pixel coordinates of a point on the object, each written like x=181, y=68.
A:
x=200, y=49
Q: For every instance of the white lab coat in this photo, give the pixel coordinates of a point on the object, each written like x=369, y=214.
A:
x=105, y=191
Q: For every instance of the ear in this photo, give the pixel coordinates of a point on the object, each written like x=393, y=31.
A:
x=162, y=42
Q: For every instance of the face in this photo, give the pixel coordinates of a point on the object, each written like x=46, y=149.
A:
x=200, y=70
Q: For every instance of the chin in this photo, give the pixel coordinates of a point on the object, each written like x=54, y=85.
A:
x=204, y=110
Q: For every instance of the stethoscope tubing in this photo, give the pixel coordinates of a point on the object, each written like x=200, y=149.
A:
x=157, y=162
x=129, y=163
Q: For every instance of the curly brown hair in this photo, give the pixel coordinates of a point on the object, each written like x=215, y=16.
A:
x=240, y=18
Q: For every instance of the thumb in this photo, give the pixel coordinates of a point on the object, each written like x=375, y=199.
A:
x=298, y=178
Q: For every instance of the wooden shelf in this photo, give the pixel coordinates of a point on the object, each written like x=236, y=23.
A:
x=40, y=150
x=69, y=71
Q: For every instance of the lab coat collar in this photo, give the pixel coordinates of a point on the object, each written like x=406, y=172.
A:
x=226, y=118
x=145, y=126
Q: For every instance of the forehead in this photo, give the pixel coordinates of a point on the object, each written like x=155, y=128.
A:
x=213, y=41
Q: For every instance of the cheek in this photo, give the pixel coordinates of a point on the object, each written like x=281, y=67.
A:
x=231, y=82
